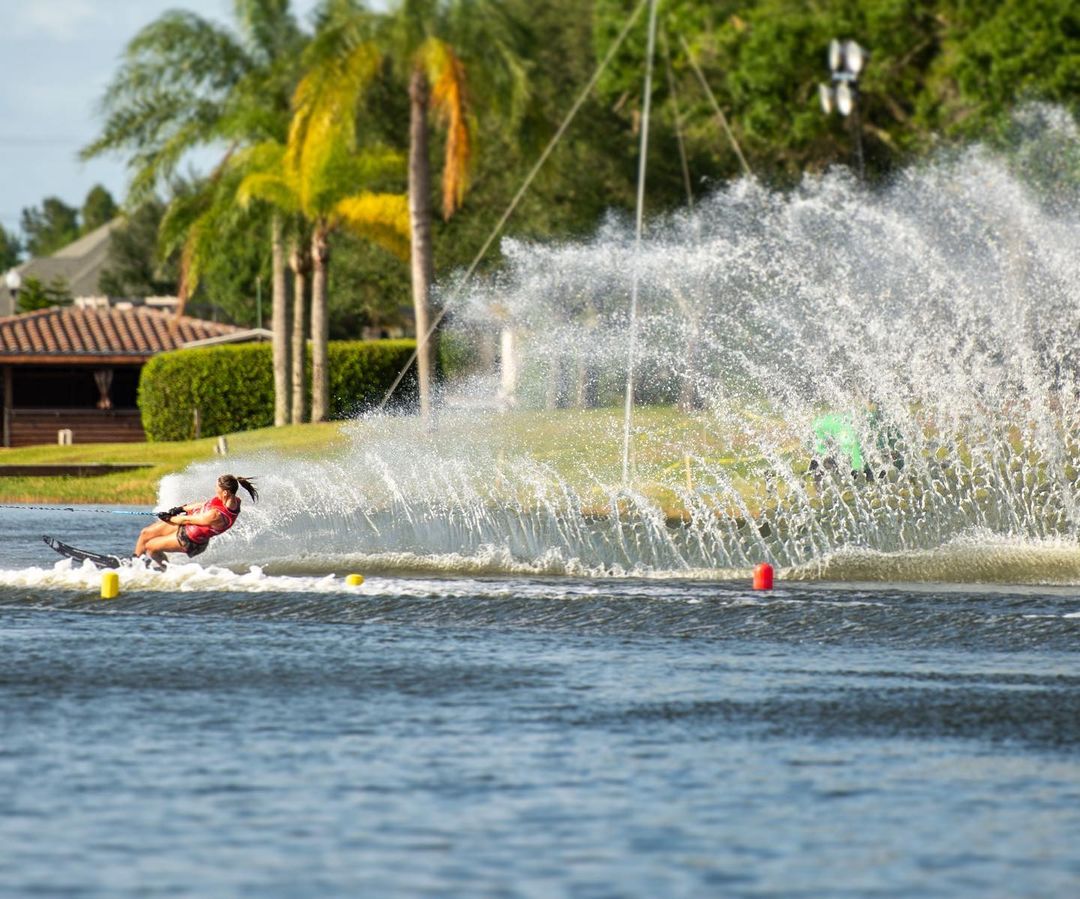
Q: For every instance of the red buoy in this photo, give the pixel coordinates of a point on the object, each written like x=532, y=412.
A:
x=763, y=576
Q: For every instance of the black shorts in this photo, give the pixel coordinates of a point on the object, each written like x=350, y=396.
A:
x=187, y=544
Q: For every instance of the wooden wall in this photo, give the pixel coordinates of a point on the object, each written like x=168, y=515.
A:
x=27, y=427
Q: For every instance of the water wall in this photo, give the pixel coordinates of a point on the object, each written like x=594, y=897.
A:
x=931, y=324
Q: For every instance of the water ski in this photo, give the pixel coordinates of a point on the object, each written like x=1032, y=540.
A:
x=99, y=560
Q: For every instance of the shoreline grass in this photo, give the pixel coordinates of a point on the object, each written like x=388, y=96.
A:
x=139, y=487
x=582, y=446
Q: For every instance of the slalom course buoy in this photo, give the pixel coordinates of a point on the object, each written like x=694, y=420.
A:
x=110, y=585
x=354, y=580
x=763, y=576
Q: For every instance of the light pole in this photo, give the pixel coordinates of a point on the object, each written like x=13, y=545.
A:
x=13, y=280
x=846, y=60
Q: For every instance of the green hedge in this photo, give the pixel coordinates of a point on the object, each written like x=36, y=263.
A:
x=232, y=386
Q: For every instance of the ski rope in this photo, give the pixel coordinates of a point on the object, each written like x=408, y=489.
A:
x=73, y=509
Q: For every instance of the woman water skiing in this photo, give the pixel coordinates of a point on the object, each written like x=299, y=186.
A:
x=188, y=529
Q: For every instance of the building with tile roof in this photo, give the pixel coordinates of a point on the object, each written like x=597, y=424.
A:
x=77, y=367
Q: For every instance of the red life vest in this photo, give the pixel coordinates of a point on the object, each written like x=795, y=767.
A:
x=201, y=533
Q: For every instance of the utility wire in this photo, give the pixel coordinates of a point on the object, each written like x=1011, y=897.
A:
x=460, y=286
x=716, y=106
x=678, y=120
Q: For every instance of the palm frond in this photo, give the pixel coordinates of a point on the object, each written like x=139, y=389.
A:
x=272, y=189
x=449, y=103
x=381, y=218
x=210, y=214
x=269, y=27
x=189, y=270
x=369, y=168
x=263, y=176
x=259, y=106
x=413, y=23
x=183, y=210
x=267, y=155
x=343, y=174
x=181, y=50
x=490, y=39
x=511, y=82
x=165, y=98
x=324, y=118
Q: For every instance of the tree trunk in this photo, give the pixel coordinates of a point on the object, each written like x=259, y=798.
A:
x=508, y=366
x=420, y=221
x=300, y=261
x=320, y=326
x=689, y=400
x=280, y=326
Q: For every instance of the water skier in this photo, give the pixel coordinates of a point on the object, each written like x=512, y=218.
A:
x=188, y=529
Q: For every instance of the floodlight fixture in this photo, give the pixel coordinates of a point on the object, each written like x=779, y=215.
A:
x=836, y=55
x=846, y=60
x=854, y=57
x=825, y=94
x=845, y=98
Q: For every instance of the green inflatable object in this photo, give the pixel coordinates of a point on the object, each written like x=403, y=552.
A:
x=835, y=435
x=836, y=432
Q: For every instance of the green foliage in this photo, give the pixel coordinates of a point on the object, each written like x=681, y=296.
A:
x=993, y=55
x=233, y=386
x=325, y=171
x=362, y=371
x=9, y=250
x=1042, y=146
x=368, y=287
x=938, y=71
x=591, y=169
x=35, y=295
x=236, y=274
x=171, y=94
x=99, y=208
x=322, y=138
x=226, y=246
x=49, y=228
x=936, y=68
x=457, y=355
x=133, y=268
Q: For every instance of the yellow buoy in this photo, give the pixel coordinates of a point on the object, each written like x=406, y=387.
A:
x=110, y=585
x=354, y=580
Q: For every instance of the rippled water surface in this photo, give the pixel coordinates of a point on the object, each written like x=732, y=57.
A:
x=219, y=732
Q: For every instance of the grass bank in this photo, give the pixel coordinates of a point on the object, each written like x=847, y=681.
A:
x=583, y=446
x=139, y=487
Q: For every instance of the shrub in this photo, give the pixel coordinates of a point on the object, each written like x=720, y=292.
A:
x=232, y=386
x=361, y=371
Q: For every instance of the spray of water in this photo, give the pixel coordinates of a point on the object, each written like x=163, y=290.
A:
x=935, y=319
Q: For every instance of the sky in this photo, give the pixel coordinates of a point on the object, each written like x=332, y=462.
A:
x=58, y=56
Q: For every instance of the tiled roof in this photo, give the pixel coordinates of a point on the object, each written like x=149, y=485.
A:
x=66, y=333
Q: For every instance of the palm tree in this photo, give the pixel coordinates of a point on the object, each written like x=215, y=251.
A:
x=300, y=263
x=322, y=170
x=440, y=41
x=261, y=172
x=194, y=224
x=187, y=82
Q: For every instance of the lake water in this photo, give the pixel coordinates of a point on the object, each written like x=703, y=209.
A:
x=238, y=732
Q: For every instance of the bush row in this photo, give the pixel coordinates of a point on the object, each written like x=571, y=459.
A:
x=232, y=386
